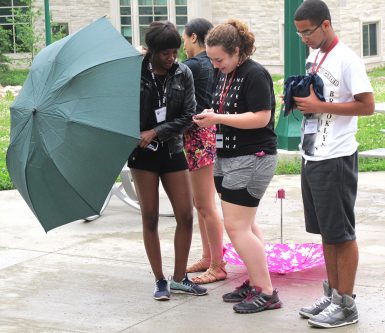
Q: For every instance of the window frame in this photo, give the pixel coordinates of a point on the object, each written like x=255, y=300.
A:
x=135, y=17
x=378, y=31
x=12, y=6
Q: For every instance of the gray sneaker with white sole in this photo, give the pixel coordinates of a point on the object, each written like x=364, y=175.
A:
x=341, y=311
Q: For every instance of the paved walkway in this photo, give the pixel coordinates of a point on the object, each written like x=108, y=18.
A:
x=94, y=277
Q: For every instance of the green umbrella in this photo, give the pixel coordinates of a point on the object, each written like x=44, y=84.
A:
x=74, y=123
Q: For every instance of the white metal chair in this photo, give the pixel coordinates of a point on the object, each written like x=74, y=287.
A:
x=125, y=191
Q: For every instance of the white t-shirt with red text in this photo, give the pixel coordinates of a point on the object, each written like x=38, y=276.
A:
x=344, y=76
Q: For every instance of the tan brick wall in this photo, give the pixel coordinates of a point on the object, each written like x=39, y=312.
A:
x=350, y=16
x=77, y=13
x=265, y=19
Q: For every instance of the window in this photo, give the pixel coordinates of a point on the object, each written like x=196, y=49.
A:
x=125, y=19
x=149, y=11
x=369, y=39
x=59, y=30
x=136, y=15
x=9, y=9
x=180, y=14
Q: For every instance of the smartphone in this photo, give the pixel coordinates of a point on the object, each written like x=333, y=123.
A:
x=153, y=145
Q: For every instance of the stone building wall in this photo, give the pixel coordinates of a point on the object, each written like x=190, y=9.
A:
x=77, y=13
x=265, y=19
x=351, y=14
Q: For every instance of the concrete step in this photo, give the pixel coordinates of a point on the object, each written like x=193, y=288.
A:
x=377, y=153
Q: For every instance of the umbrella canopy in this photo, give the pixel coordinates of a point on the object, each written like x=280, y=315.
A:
x=74, y=123
x=284, y=258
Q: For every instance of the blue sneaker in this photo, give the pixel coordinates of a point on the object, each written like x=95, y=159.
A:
x=187, y=287
x=161, y=292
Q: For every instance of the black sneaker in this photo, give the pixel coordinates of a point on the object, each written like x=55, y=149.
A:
x=320, y=305
x=187, y=287
x=256, y=301
x=341, y=311
x=161, y=292
x=239, y=294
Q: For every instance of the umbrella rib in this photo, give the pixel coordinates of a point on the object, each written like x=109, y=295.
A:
x=18, y=134
x=103, y=128
x=65, y=179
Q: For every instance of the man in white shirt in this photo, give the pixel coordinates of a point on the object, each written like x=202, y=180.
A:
x=329, y=159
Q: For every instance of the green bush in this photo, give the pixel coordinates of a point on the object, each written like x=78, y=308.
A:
x=5, y=181
x=15, y=77
x=4, y=48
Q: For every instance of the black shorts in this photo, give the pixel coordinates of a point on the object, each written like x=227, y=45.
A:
x=329, y=191
x=159, y=161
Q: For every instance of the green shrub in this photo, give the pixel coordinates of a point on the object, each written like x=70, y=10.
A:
x=5, y=182
x=15, y=77
x=4, y=48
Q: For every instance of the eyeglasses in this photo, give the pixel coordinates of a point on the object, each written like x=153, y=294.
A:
x=309, y=32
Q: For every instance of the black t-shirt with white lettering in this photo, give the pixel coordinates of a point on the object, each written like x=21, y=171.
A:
x=250, y=90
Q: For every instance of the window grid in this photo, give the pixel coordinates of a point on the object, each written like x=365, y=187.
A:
x=369, y=39
x=7, y=19
x=181, y=17
x=126, y=19
x=149, y=11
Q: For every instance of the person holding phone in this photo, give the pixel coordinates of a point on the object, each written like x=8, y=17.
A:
x=167, y=104
x=243, y=110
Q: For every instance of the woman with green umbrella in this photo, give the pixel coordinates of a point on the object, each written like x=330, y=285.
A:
x=166, y=109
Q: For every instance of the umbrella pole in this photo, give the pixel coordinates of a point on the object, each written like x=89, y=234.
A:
x=281, y=224
x=281, y=195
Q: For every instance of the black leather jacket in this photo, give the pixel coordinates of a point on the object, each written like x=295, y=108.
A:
x=181, y=104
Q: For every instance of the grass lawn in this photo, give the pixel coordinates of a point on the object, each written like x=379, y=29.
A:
x=5, y=182
x=369, y=135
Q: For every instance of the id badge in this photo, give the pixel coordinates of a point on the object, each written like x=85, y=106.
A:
x=160, y=114
x=311, y=126
x=219, y=140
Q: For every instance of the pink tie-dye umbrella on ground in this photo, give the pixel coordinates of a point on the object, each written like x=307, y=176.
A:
x=284, y=258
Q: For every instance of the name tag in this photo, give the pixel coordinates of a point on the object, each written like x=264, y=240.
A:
x=160, y=114
x=311, y=126
x=219, y=140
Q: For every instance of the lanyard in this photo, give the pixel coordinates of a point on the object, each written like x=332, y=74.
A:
x=315, y=70
x=224, y=93
x=161, y=101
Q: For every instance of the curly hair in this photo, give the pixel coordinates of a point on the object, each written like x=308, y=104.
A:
x=234, y=33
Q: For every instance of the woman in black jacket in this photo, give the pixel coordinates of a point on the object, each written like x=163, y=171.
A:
x=166, y=108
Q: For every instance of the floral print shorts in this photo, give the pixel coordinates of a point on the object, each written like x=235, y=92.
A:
x=199, y=145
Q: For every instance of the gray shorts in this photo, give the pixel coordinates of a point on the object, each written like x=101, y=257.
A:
x=243, y=180
x=329, y=190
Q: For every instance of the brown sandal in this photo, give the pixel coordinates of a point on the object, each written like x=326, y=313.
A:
x=213, y=274
x=200, y=266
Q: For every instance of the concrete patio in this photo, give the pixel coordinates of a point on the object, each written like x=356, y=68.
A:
x=95, y=277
